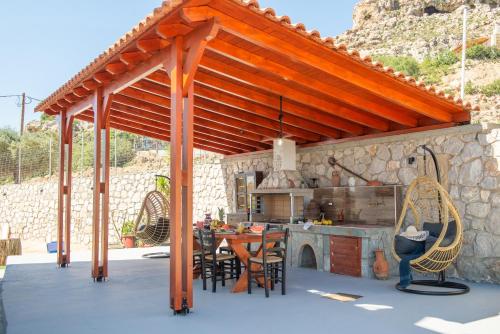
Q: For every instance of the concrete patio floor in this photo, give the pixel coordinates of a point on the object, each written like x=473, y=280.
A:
x=41, y=298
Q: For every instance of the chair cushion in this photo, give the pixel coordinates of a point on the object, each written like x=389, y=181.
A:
x=436, y=228
x=220, y=257
x=431, y=240
x=405, y=246
x=269, y=259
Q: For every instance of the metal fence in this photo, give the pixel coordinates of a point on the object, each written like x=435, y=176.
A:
x=39, y=157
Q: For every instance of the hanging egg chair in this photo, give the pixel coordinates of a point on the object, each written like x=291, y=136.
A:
x=428, y=206
x=152, y=224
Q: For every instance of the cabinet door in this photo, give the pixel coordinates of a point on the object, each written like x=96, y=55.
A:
x=345, y=255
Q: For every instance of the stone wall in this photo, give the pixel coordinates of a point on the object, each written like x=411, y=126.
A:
x=31, y=208
x=469, y=154
x=470, y=159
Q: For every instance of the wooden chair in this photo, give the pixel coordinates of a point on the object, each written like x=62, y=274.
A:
x=272, y=264
x=214, y=266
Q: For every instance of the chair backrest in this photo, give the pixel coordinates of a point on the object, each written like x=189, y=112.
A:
x=278, y=237
x=207, y=242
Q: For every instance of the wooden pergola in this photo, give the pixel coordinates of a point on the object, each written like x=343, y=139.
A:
x=211, y=74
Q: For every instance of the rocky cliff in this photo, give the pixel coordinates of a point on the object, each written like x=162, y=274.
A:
x=415, y=27
x=422, y=29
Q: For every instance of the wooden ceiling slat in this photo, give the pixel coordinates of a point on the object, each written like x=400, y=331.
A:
x=217, y=112
x=164, y=125
x=147, y=131
x=391, y=112
x=201, y=112
x=240, y=89
x=299, y=96
x=248, y=105
x=230, y=106
x=155, y=111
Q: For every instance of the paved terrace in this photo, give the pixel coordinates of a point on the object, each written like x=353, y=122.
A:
x=40, y=298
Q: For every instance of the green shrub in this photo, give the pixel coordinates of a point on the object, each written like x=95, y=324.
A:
x=434, y=68
x=404, y=64
x=491, y=89
x=470, y=88
x=128, y=228
x=445, y=58
x=7, y=158
x=163, y=186
x=124, y=150
x=483, y=52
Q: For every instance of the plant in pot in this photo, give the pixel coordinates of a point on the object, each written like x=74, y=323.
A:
x=127, y=235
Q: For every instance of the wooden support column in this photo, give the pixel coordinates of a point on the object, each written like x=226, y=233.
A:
x=64, y=196
x=100, y=218
x=69, y=179
x=176, y=291
x=186, y=53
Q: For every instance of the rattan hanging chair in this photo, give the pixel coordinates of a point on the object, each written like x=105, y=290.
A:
x=428, y=202
x=152, y=225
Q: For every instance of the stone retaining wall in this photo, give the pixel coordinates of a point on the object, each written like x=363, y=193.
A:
x=470, y=159
x=31, y=208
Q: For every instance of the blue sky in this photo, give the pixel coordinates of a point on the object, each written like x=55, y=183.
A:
x=44, y=43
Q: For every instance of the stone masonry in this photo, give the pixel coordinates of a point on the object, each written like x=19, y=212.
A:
x=31, y=208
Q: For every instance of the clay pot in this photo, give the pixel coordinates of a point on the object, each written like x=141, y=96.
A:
x=380, y=266
x=335, y=179
x=128, y=241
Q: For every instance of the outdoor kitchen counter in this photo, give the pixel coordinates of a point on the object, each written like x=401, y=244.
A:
x=311, y=248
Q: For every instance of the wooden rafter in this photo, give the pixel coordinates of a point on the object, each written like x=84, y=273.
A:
x=286, y=89
x=298, y=54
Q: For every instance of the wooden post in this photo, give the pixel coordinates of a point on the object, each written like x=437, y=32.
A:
x=96, y=216
x=64, y=200
x=176, y=177
x=61, y=193
x=69, y=179
x=100, y=218
x=187, y=195
x=185, y=55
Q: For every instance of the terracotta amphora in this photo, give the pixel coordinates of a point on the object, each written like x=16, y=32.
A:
x=380, y=266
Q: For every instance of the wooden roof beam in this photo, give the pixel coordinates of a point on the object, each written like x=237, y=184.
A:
x=291, y=121
x=201, y=144
x=116, y=68
x=272, y=101
x=127, y=113
x=202, y=117
x=144, y=123
x=203, y=113
x=393, y=113
x=260, y=104
x=152, y=45
x=226, y=110
x=133, y=58
x=299, y=54
x=283, y=88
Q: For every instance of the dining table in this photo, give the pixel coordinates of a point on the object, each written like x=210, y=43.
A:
x=237, y=242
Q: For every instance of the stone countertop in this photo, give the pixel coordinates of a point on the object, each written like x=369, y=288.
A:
x=345, y=230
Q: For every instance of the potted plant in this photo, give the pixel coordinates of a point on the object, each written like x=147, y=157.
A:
x=127, y=235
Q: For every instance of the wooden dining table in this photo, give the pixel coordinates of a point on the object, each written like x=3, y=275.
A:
x=237, y=242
